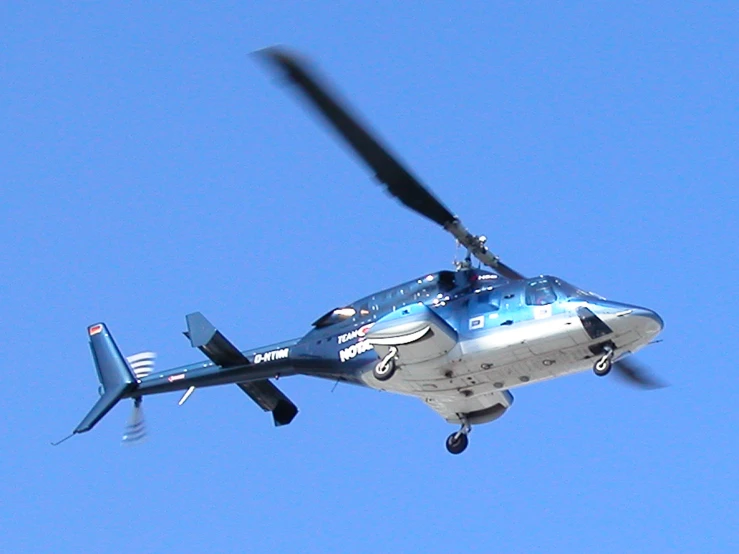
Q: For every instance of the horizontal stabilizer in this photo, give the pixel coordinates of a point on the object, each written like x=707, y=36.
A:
x=212, y=343
x=271, y=399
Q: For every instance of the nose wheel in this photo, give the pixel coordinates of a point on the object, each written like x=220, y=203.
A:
x=385, y=368
x=456, y=443
x=602, y=366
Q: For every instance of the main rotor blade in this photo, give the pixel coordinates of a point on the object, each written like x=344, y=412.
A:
x=637, y=375
x=388, y=170
x=399, y=181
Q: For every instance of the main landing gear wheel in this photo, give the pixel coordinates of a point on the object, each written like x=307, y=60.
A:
x=456, y=443
x=603, y=366
x=385, y=368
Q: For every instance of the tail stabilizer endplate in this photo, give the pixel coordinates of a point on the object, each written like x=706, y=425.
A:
x=271, y=399
x=211, y=342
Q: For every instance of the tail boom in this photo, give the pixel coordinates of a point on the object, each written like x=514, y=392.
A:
x=227, y=365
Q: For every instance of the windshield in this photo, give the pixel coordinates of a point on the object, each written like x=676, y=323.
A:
x=540, y=293
x=571, y=291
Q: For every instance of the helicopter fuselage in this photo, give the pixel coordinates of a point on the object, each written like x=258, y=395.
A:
x=483, y=335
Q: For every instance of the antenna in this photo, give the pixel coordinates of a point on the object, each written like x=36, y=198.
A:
x=64, y=439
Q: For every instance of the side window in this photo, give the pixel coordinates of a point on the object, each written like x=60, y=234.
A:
x=540, y=293
x=484, y=302
x=494, y=300
x=446, y=281
x=488, y=301
x=334, y=316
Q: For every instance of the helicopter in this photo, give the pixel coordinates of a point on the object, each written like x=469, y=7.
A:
x=459, y=339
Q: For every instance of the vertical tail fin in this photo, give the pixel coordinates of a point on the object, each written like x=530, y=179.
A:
x=114, y=373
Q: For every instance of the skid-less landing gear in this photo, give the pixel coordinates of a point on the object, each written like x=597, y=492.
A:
x=385, y=368
x=456, y=443
x=603, y=365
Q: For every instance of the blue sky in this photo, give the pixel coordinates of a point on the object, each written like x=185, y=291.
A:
x=151, y=168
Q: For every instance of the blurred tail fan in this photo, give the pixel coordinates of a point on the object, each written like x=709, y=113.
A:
x=142, y=363
x=136, y=426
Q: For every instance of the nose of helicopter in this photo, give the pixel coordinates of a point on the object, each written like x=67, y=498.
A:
x=624, y=317
x=649, y=320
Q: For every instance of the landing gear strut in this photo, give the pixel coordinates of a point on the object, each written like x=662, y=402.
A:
x=456, y=443
x=385, y=368
x=603, y=366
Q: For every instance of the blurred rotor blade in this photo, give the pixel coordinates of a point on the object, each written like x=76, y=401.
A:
x=388, y=170
x=637, y=375
x=136, y=426
x=142, y=363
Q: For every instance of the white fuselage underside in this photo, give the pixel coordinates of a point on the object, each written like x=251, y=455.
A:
x=516, y=355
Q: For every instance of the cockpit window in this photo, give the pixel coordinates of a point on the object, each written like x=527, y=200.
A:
x=572, y=291
x=334, y=316
x=540, y=293
x=446, y=281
